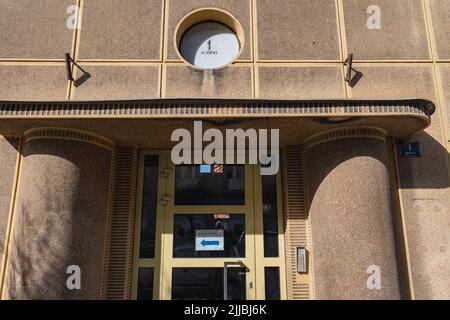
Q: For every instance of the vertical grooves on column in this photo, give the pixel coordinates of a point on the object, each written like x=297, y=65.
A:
x=296, y=222
x=122, y=225
x=107, y=246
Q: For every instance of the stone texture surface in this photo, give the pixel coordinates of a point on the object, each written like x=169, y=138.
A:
x=424, y=181
x=445, y=76
x=301, y=82
x=229, y=82
x=35, y=29
x=112, y=82
x=441, y=26
x=59, y=220
x=351, y=219
x=393, y=81
x=8, y=157
x=424, y=186
x=115, y=29
x=297, y=30
x=238, y=8
x=33, y=82
x=402, y=35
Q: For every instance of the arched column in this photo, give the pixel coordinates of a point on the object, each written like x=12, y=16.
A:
x=351, y=214
x=61, y=215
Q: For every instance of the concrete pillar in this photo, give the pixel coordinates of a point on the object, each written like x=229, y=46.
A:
x=351, y=215
x=60, y=217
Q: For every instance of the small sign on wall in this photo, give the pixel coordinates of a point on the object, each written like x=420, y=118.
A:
x=410, y=149
x=301, y=259
x=209, y=240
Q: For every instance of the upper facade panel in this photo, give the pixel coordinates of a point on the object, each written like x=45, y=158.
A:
x=115, y=29
x=31, y=29
x=297, y=30
x=399, y=34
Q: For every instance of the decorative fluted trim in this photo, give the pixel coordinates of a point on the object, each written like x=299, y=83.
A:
x=69, y=134
x=345, y=133
x=182, y=108
x=107, y=244
x=120, y=250
x=296, y=223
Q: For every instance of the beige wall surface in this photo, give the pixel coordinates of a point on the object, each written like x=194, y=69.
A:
x=60, y=220
x=293, y=49
x=9, y=149
x=351, y=219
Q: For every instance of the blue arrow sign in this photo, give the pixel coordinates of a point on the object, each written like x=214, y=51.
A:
x=205, y=243
x=209, y=240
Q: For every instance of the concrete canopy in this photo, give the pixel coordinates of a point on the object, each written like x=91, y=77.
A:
x=149, y=123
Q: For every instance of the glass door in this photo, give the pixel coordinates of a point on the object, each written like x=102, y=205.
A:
x=209, y=226
x=216, y=232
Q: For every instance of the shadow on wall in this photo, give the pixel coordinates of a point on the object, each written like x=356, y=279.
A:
x=35, y=266
x=426, y=172
x=62, y=231
x=432, y=176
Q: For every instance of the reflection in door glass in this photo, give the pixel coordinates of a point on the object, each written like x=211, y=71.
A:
x=149, y=203
x=185, y=226
x=209, y=185
x=207, y=283
x=270, y=215
x=272, y=281
x=145, y=284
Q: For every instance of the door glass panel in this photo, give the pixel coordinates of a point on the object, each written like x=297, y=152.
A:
x=270, y=215
x=209, y=185
x=145, y=284
x=185, y=226
x=207, y=283
x=149, y=203
x=272, y=283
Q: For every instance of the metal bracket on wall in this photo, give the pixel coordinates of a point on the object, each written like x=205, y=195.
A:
x=352, y=81
x=80, y=80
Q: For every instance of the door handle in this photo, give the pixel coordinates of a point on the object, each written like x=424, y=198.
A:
x=226, y=264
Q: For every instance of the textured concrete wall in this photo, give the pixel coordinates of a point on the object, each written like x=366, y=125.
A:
x=8, y=157
x=59, y=220
x=293, y=49
x=351, y=219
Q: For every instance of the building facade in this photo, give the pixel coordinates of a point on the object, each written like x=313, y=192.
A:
x=92, y=205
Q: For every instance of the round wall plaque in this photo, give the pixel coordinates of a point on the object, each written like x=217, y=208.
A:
x=209, y=45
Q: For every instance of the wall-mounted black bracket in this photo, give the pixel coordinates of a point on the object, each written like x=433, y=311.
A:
x=69, y=63
x=352, y=81
x=349, y=63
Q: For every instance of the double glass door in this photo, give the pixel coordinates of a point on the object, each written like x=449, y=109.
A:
x=207, y=232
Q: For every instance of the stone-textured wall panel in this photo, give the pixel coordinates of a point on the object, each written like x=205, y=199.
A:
x=395, y=81
x=402, y=34
x=118, y=82
x=116, y=29
x=234, y=82
x=301, y=82
x=445, y=76
x=33, y=82
x=297, y=30
x=59, y=220
x=32, y=29
x=352, y=219
x=441, y=26
x=424, y=181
